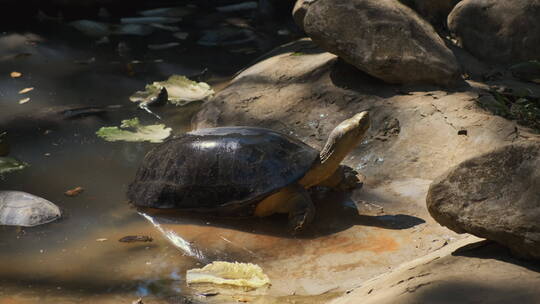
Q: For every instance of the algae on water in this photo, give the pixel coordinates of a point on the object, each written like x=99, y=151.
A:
x=131, y=130
x=180, y=90
x=236, y=274
x=9, y=164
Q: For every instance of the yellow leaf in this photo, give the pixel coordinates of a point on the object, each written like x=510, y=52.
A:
x=25, y=90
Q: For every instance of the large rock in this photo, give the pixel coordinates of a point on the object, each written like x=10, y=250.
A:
x=495, y=196
x=383, y=38
x=301, y=90
x=299, y=12
x=496, y=30
x=434, y=11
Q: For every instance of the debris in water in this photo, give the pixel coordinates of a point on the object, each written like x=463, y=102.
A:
x=135, y=238
x=15, y=74
x=74, y=192
x=25, y=90
x=24, y=100
x=22, y=55
x=9, y=164
x=177, y=240
x=172, y=28
x=167, y=12
x=24, y=209
x=180, y=90
x=151, y=133
x=180, y=35
x=102, y=240
x=237, y=274
x=250, y=5
x=163, y=46
x=92, y=28
x=150, y=20
x=226, y=36
x=134, y=29
x=4, y=144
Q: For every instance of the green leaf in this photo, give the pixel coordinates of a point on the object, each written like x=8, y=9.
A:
x=131, y=130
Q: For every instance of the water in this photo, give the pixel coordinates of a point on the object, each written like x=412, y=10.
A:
x=177, y=240
x=63, y=262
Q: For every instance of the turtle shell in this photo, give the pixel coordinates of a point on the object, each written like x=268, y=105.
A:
x=215, y=168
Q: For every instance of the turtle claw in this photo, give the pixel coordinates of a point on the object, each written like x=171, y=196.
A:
x=302, y=210
x=351, y=180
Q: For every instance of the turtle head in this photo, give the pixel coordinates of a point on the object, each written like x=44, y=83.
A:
x=348, y=134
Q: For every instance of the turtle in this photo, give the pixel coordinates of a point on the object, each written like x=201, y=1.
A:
x=19, y=208
x=245, y=171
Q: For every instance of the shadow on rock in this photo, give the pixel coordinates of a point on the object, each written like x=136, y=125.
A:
x=490, y=250
x=451, y=292
x=334, y=214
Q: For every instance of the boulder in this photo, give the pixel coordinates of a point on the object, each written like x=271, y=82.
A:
x=299, y=12
x=383, y=38
x=434, y=11
x=498, y=31
x=495, y=196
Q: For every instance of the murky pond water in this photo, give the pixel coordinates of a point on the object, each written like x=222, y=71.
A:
x=79, y=258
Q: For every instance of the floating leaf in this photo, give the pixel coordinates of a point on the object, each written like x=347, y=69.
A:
x=180, y=89
x=131, y=130
x=24, y=100
x=9, y=164
x=74, y=192
x=237, y=274
x=25, y=90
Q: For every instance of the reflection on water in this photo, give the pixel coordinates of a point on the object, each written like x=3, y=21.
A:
x=177, y=240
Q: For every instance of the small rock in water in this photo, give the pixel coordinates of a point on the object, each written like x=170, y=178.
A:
x=24, y=209
x=135, y=238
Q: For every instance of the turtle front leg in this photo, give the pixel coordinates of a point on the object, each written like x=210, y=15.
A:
x=302, y=210
x=344, y=179
x=294, y=200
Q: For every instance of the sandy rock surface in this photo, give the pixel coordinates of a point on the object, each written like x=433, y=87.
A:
x=417, y=134
x=385, y=39
x=495, y=196
x=498, y=31
x=467, y=271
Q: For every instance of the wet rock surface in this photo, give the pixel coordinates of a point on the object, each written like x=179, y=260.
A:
x=385, y=39
x=498, y=31
x=495, y=196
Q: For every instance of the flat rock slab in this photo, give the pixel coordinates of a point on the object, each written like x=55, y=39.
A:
x=466, y=271
x=495, y=195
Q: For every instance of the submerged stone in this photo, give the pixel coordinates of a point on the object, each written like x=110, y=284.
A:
x=24, y=209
